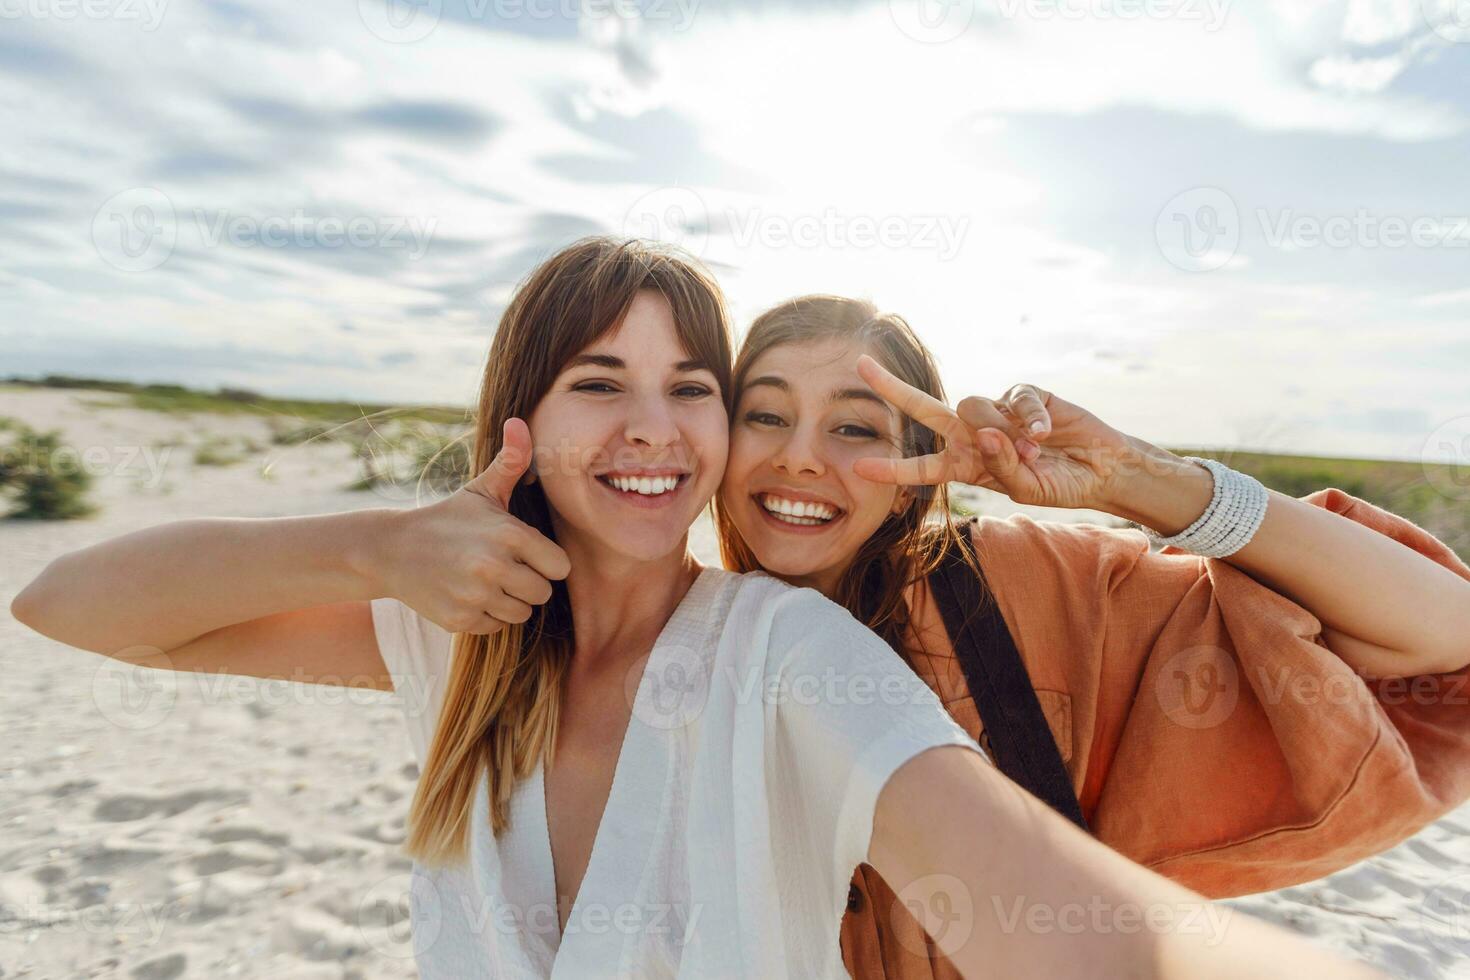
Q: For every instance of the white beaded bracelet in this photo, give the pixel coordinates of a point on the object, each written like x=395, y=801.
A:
x=1237, y=507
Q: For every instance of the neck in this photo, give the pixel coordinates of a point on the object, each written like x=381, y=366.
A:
x=620, y=604
x=824, y=580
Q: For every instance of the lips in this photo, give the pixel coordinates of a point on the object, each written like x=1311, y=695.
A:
x=645, y=489
x=645, y=484
x=793, y=511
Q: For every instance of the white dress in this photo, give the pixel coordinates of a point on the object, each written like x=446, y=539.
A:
x=766, y=723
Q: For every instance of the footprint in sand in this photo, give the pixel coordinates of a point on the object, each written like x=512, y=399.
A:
x=136, y=806
x=229, y=833
x=258, y=858
x=165, y=967
x=106, y=857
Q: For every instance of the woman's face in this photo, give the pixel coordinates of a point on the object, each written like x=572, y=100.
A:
x=631, y=438
x=804, y=416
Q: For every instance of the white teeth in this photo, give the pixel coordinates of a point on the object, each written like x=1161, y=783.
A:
x=803, y=521
x=798, y=511
x=646, y=485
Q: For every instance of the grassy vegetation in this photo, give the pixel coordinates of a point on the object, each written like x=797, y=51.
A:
x=1434, y=496
x=39, y=478
x=1415, y=491
x=219, y=451
x=414, y=448
x=177, y=399
x=412, y=457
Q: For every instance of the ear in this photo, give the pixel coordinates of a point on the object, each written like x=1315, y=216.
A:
x=901, y=501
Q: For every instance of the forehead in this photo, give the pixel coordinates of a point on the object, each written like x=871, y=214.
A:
x=646, y=337
x=825, y=358
x=649, y=320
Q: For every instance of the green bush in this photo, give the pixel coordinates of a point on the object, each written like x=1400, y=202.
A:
x=217, y=451
x=40, y=482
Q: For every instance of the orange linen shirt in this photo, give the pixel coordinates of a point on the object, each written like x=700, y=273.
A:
x=1209, y=731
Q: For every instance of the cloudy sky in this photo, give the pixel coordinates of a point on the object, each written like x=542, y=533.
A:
x=1209, y=222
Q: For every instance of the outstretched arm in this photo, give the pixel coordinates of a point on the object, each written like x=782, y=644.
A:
x=1387, y=610
x=287, y=597
x=162, y=587
x=1006, y=887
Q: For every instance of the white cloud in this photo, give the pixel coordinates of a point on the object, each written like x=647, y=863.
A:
x=783, y=123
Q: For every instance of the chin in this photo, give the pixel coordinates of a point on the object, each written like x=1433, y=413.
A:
x=788, y=561
x=644, y=544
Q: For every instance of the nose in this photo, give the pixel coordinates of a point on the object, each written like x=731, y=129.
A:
x=651, y=424
x=799, y=456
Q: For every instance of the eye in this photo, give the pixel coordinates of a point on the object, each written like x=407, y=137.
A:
x=693, y=391
x=596, y=387
x=763, y=418
x=858, y=431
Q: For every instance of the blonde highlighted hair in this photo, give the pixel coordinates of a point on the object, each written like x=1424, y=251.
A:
x=500, y=708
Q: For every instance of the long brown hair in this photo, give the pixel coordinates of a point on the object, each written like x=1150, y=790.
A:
x=908, y=545
x=500, y=708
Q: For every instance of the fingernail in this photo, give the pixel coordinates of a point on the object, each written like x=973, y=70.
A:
x=1037, y=425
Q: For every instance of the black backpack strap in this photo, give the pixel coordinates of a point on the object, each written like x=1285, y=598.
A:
x=1020, y=739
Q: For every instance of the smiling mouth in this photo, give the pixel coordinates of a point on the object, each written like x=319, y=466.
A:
x=798, y=513
x=644, y=486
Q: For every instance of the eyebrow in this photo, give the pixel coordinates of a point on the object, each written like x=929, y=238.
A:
x=835, y=395
x=617, y=363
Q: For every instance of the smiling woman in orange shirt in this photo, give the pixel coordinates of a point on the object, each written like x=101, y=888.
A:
x=1237, y=723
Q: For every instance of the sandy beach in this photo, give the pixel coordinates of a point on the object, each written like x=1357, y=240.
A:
x=228, y=827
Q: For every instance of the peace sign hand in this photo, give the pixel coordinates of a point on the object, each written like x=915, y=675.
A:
x=1072, y=460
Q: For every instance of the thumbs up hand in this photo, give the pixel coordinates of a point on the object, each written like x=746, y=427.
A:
x=499, y=479
x=465, y=562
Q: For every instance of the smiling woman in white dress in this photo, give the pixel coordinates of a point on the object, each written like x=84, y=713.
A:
x=632, y=765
